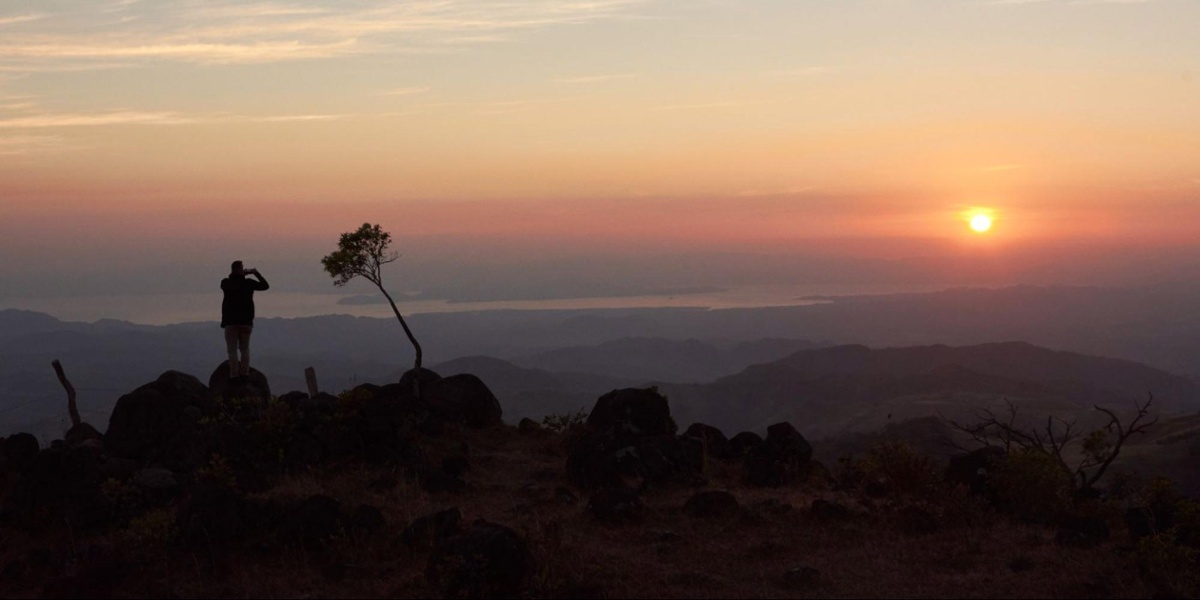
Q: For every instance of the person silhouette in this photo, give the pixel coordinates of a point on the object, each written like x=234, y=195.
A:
x=237, y=315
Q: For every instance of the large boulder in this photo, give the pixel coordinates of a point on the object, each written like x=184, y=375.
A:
x=630, y=434
x=485, y=561
x=462, y=399
x=153, y=423
x=634, y=411
x=83, y=434
x=783, y=457
x=741, y=443
x=788, y=443
x=422, y=377
x=253, y=386
x=714, y=441
x=18, y=450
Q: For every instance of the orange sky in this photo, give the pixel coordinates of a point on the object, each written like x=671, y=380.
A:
x=160, y=134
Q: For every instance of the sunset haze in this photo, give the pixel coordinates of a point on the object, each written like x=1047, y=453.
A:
x=144, y=145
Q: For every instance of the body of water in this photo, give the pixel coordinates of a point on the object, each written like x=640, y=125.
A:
x=164, y=309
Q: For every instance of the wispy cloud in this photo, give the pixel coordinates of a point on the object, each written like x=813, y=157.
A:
x=407, y=91
x=19, y=19
x=705, y=105
x=161, y=118
x=222, y=32
x=807, y=71
x=25, y=145
x=584, y=79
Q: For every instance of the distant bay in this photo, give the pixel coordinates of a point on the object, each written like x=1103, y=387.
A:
x=165, y=309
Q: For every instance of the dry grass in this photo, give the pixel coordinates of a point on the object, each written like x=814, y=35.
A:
x=666, y=554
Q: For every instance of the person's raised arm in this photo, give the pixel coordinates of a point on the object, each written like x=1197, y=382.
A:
x=262, y=281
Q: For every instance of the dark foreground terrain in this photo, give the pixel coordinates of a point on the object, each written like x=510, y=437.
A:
x=223, y=490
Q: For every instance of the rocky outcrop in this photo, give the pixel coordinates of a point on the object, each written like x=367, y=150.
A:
x=630, y=436
x=156, y=423
x=485, y=561
x=253, y=386
x=462, y=399
x=783, y=457
x=713, y=440
x=634, y=411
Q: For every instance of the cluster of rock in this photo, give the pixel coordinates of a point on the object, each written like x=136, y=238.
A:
x=629, y=444
x=201, y=449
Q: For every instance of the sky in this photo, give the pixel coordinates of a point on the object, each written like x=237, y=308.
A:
x=144, y=144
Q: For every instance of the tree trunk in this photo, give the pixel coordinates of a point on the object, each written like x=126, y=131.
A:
x=62, y=378
x=411, y=338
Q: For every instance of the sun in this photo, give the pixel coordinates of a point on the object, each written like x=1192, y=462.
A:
x=981, y=223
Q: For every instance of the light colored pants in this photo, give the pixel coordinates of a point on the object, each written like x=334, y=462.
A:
x=237, y=337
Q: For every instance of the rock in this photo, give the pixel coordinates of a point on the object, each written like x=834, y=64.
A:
x=423, y=376
x=789, y=444
x=615, y=504
x=781, y=459
x=431, y=530
x=293, y=399
x=529, y=426
x=19, y=450
x=1082, y=531
x=741, y=443
x=714, y=441
x=80, y=434
x=463, y=399
x=485, y=561
x=151, y=424
x=633, y=411
x=254, y=386
x=710, y=504
x=828, y=511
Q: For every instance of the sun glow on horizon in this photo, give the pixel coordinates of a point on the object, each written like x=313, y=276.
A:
x=981, y=223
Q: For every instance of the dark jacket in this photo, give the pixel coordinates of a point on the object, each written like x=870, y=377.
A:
x=237, y=308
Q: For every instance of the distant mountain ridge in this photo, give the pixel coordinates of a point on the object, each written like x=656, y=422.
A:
x=856, y=388
x=659, y=359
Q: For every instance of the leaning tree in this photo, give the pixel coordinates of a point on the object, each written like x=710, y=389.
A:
x=362, y=253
